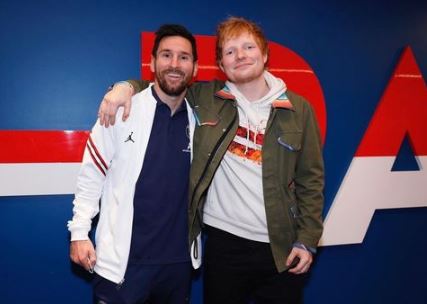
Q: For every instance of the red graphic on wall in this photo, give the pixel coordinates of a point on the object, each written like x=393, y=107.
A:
x=42, y=146
x=402, y=111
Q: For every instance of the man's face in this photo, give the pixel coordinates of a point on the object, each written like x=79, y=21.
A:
x=173, y=65
x=242, y=59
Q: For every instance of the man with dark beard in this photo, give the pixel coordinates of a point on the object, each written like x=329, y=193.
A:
x=139, y=169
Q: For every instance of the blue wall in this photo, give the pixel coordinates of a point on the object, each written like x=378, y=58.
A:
x=58, y=57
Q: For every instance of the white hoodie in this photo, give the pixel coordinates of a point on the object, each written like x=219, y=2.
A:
x=235, y=201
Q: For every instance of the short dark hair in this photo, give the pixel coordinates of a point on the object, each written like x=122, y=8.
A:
x=168, y=30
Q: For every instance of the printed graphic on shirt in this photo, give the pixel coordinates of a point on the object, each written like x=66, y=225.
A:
x=247, y=144
x=129, y=138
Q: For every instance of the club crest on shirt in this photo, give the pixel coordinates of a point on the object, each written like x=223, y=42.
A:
x=187, y=133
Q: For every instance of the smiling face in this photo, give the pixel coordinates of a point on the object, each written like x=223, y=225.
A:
x=242, y=59
x=173, y=65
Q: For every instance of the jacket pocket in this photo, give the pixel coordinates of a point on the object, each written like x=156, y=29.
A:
x=290, y=141
x=294, y=215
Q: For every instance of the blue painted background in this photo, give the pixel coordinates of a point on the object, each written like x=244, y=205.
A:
x=58, y=57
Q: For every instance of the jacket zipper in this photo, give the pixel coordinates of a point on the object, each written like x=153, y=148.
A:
x=119, y=285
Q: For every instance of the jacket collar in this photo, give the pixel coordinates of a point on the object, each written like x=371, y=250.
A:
x=282, y=102
x=225, y=93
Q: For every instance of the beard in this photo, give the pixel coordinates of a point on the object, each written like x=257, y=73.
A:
x=173, y=89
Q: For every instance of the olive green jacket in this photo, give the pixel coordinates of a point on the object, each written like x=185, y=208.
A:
x=292, y=164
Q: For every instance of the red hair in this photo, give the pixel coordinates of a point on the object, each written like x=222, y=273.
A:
x=235, y=26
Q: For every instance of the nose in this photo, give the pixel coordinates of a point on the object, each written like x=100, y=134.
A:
x=240, y=53
x=174, y=61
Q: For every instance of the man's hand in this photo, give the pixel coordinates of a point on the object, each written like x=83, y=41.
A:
x=305, y=260
x=83, y=253
x=119, y=96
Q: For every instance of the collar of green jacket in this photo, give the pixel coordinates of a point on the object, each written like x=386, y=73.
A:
x=282, y=102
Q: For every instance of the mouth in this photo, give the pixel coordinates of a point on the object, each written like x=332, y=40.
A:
x=242, y=65
x=174, y=74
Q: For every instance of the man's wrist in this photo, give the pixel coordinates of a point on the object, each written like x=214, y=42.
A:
x=122, y=83
x=307, y=248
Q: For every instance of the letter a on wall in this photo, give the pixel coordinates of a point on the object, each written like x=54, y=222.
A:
x=370, y=183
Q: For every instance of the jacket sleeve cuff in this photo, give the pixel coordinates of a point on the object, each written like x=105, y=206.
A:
x=79, y=235
x=302, y=246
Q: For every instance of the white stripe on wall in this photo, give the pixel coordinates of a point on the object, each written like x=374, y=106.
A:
x=38, y=178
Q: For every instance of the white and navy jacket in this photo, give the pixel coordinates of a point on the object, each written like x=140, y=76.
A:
x=111, y=165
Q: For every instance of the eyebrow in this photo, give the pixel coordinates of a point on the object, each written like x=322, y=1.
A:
x=180, y=52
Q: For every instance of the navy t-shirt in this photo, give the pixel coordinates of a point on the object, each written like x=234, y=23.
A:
x=160, y=229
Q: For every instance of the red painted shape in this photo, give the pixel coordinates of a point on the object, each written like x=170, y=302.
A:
x=402, y=110
x=284, y=63
x=42, y=146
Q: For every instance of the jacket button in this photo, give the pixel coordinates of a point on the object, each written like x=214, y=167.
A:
x=223, y=130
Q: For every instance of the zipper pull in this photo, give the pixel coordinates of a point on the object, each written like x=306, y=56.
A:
x=119, y=285
x=196, y=249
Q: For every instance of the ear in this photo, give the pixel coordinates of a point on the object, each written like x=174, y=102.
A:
x=220, y=65
x=265, y=58
x=152, y=63
x=196, y=68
